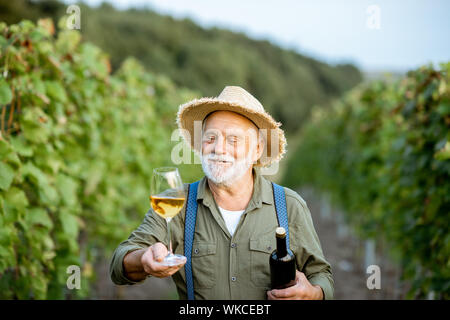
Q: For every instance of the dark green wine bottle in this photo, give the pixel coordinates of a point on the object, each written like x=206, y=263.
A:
x=282, y=263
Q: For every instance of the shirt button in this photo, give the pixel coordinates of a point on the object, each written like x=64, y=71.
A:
x=233, y=278
x=195, y=250
x=233, y=245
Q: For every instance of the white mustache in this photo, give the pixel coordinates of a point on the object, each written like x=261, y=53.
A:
x=214, y=157
x=220, y=174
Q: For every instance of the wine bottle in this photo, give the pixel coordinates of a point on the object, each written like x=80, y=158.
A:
x=282, y=263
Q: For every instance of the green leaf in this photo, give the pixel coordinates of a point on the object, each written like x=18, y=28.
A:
x=444, y=153
x=5, y=149
x=444, y=108
x=67, y=188
x=13, y=159
x=5, y=92
x=69, y=223
x=1, y=210
x=37, y=176
x=3, y=42
x=38, y=85
x=56, y=91
x=39, y=286
x=38, y=216
x=48, y=195
x=15, y=199
x=6, y=176
x=68, y=40
x=54, y=164
x=19, y=145
x=35, y=125
x=7, y=257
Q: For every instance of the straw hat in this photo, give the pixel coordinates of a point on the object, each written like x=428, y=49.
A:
x=235, y=99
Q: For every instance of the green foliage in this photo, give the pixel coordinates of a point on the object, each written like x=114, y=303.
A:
x=382, y=152
x=77, y=149
x=287, y=83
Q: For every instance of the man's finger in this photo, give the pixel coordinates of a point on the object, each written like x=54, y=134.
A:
x=270, y=296
x=178, y=266
x=172, y=270
x=300, y=276
x=284, y=293
x=159, y=251
x=154, y=265
x=163, y=269
x=149, y=259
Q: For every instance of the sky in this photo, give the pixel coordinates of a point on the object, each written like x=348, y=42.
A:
x=389, y=35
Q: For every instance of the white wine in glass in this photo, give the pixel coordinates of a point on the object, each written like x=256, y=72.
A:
x=167, y=198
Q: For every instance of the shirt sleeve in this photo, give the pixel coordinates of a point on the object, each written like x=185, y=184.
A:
x=305, y=242
x=152, y=230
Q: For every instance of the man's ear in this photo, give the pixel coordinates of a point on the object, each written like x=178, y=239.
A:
x=259, y=150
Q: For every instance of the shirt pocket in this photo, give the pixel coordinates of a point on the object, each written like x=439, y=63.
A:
x=260, y=250
x=204, y=264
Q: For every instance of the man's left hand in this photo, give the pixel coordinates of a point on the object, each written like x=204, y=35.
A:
x=302, y=290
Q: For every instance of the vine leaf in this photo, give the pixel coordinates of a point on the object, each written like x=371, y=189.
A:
x=5, y=92
x=6, y=176
x=38, y=216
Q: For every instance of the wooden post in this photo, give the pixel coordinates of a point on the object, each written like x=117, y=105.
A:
x=369, y=253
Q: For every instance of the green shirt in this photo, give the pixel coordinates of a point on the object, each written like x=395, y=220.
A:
x=233, y=267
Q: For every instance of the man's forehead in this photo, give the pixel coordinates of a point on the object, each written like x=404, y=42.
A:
x=227, y=131
x=228, y=119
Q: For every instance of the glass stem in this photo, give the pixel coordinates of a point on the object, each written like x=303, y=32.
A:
x=168, y=234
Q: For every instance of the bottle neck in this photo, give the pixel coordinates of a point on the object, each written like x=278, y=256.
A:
x=281, y=247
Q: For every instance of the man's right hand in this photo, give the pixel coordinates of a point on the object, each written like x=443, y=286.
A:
x=152, y=256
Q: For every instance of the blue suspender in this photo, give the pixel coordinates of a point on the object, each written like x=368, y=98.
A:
x=189, y=227
x=281, y=209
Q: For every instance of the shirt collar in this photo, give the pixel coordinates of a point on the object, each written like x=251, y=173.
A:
x=262, y=191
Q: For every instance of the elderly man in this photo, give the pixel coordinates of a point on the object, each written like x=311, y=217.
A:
x=236, y=218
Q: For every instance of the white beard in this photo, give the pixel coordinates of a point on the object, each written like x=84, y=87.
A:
x=224, y=174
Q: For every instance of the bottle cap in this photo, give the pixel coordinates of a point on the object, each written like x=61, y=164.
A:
x=280, y=232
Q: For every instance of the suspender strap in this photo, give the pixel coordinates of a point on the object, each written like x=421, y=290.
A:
x=189, y=229
x=281, y=209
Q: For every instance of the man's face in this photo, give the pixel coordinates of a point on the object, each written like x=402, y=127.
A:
x=229, y=146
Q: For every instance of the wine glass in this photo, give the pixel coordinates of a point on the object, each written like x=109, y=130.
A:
x=167, y=198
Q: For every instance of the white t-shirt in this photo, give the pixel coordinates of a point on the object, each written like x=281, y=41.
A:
x=231, y=218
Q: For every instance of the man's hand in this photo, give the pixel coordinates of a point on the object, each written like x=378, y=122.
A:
x=152, y=256
x=302, y=290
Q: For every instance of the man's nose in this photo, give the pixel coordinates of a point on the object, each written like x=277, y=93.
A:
x=220, y=146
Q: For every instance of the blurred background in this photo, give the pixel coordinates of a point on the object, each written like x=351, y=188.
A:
x=88, y=97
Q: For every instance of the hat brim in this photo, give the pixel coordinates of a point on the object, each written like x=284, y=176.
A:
x=198, y=109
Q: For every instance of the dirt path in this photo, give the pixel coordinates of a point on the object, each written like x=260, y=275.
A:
x=348, y=255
